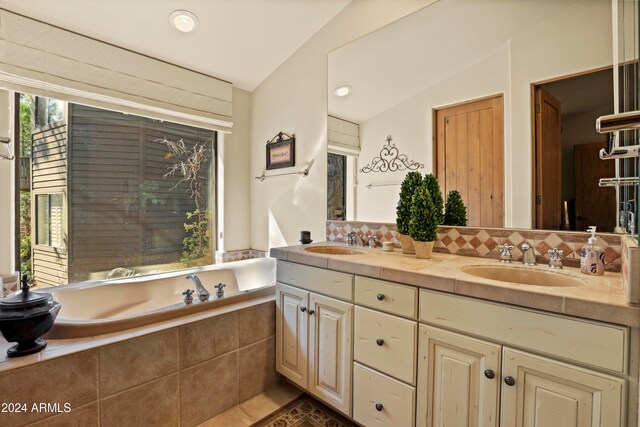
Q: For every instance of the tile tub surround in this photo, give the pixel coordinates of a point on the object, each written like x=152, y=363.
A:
x=600, y=298
x=231, y=256
x=172, y=374
x=483, y=242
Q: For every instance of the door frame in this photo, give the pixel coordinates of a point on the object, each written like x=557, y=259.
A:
x=532, y=112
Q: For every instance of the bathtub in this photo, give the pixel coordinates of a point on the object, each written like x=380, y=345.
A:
x=95, y=308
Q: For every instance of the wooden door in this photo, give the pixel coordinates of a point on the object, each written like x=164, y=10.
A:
x=291, y=333
x=459, y=380
x=594, y=205
x=550, y=393
x=469, y=141
x=548, y=161
x=330, y=351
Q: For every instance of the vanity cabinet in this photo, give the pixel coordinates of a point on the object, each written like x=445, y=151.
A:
x=465, y=380
x=314, y=345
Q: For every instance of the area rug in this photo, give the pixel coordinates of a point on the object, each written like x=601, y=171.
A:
x=305, y=412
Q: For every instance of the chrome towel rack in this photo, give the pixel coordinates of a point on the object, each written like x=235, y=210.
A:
x=381, y=184
x=303, y=173
x=6, y=143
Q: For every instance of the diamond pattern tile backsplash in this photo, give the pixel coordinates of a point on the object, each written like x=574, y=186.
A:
x=483, y=242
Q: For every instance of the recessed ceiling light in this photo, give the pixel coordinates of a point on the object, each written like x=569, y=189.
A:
x=343, y=90
x=183, y=21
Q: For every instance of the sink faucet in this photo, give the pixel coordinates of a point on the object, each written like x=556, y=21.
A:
x=505, y=253
x=528, y=255
x=203, y=294
x=555, y=262
x=355, y=239
x=372, y=241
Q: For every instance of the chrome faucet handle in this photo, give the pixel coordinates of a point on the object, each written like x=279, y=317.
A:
x=373, y=240
x=220, y=290
x=349, y=240
x=188, y=296
x=555, y=262
x=528, y=255
x=505, y=253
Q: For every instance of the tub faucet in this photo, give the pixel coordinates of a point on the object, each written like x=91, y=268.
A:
x=528, y=255
x=220, y=290
x=203, y=294
x=188, y=297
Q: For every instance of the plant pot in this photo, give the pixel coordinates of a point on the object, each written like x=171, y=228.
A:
x=407, y=244
x=423, y=249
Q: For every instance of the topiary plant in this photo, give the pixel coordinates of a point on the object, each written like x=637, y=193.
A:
x=436, y=196
x=423, y=225
x=455, y=213
x=403, y=212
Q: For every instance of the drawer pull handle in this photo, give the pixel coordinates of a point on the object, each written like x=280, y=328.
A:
x=379, y=407
x=510, y=381
x=303, y=309
x=489, y=374
x=380, y=342
x=311, y=312
x=380, y=297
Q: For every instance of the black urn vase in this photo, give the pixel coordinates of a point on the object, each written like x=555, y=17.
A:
x=25, y=317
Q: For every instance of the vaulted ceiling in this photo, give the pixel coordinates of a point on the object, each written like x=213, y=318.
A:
x=241, y=41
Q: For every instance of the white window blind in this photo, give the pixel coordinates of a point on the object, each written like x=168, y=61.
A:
x=45, y=60
x=343, y=137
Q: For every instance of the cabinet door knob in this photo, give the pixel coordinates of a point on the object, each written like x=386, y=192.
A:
x=380, y=342
x=489, y=374
x=380, y=297
x=510, y=381
x=379, y=407
x=311, y=312
x=303, y=309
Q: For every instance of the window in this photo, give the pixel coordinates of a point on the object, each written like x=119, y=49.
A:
x=49, y=214
x=48, y=111
x=139, y=194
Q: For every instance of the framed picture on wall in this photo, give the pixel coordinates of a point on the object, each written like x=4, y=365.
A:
x=281, y=151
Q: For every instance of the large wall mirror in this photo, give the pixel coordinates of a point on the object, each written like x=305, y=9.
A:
x=497, y=98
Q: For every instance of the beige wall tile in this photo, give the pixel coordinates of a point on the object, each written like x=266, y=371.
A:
x=256, y=367
x=204, y=340
x=134, y=362
x=208, y=389
x=84, y=416
x=152, y=404
x=256, y=323
x=70, y=379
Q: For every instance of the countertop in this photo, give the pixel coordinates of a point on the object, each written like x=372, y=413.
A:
x=599, y=298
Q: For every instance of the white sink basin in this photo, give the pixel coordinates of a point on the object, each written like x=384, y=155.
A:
x=523, y=275
x=334, y=250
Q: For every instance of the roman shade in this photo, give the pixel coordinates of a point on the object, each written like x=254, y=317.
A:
x=45, y=60
x=343, y=137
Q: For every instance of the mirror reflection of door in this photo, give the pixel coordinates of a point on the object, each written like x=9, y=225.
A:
x=548, y=160
x=469, y=141
x=566, y=145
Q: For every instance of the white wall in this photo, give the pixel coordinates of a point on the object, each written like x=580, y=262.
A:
x=7, y=194
x=235, y=163
x=294, y=99
x=540, y=53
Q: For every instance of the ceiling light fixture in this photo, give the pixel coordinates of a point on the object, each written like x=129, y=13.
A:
x=183, y=21
x=343, y=90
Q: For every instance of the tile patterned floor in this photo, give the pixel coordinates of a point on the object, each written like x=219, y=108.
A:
x=305, y=412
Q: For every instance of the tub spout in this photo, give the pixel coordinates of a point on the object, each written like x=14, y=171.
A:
x=203, y=294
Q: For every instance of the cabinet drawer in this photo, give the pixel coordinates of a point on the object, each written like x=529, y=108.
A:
x=589, y=343
x=387, y=296
x=395, y=400
x=319, y=280
x=386, y=343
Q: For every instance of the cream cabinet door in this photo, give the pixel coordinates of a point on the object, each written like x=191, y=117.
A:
x=458, y=380
x=330, y=351
x=291, y=333
x=542, y=392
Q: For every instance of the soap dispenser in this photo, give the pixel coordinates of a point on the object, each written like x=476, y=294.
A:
x=592, y=255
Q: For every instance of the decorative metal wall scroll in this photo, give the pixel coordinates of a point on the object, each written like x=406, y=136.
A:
x=281, y=151
x=390, y=160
